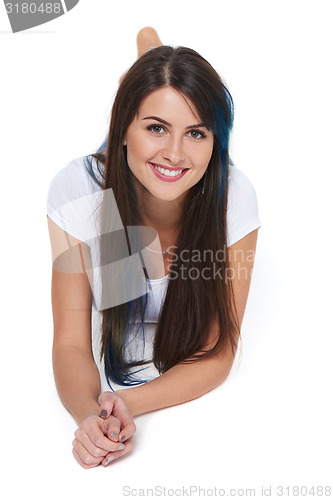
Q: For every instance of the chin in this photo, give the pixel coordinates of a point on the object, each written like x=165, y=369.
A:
x=167, y=196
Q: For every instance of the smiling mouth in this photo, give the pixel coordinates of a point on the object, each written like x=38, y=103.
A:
x=168, y=171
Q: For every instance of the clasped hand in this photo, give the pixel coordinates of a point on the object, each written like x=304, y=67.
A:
x=103, y=438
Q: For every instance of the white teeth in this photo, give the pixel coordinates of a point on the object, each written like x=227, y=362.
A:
x=170, y=173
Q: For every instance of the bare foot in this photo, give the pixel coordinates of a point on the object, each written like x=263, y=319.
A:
x=146, y=38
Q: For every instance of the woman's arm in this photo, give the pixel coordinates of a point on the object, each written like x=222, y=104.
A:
x=75, y=372
x=185, y=382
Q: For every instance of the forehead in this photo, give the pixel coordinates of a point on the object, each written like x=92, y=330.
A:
x=168, y=101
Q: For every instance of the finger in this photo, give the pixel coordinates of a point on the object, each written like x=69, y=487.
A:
x=84, y=439
x=106, y=403
x=78, y=459
x=110, y=402
x=122, y=413
x=113, y=428
x=127, y=432
x=111, y=457
x=98, y=437
x=83, y=456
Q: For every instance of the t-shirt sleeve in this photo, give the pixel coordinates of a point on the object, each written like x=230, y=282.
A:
x=78, y=204
x=71, y=200
x=242, y=212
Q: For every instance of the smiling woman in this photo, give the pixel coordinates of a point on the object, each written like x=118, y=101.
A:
x=129, y=226
x=165, y=148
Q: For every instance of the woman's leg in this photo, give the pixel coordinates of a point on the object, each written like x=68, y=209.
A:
x=146, y=38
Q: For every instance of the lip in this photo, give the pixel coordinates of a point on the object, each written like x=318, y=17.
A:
x=166, y=178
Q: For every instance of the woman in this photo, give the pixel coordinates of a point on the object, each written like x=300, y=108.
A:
x=162, y=203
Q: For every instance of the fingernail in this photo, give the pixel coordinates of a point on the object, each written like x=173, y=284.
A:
x=123, y=438
x=103, y=414
x=108, y=461
x=121, y=447
x=114, y=435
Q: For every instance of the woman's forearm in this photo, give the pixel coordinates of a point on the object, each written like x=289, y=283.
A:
x=181, y=383
x=77, y=380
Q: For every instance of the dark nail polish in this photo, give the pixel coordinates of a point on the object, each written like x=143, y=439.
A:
x=122, y=439
x=103, y=414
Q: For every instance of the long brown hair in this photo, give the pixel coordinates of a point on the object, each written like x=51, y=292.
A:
x=192, y=307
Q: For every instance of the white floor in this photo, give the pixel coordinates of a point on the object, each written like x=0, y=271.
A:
x=270, y=424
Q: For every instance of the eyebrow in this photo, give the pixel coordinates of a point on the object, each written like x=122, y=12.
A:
x=169, y=124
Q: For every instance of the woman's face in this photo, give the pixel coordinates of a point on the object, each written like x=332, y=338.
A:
x=168, y=148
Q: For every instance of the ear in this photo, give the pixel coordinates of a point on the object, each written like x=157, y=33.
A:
x=124, y=142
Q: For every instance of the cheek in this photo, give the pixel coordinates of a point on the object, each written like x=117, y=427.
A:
x=139, y=146
x=203, y=157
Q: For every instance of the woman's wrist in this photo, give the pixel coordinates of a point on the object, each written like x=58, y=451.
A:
x=127, y=396
x=90, y=408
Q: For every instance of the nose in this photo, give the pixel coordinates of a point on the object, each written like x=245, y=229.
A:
x=174, y=150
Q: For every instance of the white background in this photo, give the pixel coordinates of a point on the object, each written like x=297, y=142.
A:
x=270, y=422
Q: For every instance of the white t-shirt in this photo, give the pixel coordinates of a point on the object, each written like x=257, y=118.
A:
x=74, y=202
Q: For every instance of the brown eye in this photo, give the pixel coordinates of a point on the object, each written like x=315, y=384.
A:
x=197, y=134
x=155, y=128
